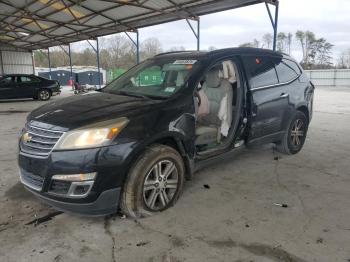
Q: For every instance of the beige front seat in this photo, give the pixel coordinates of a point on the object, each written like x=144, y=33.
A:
x=215, y=88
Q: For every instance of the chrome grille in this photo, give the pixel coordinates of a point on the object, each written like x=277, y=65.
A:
x=41, y=140
x=31, y=180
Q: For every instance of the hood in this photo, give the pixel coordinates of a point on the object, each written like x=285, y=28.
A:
x=80, y=110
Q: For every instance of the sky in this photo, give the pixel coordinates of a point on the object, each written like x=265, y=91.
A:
x=326, y=18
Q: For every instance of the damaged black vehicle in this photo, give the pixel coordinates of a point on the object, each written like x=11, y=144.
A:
x=133, y=144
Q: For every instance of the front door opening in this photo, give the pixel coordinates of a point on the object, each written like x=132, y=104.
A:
x=216, y=99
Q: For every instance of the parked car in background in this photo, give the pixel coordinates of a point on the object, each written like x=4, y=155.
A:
x=133, y=144
x=27, y=86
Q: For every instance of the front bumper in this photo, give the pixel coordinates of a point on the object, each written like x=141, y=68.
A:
x=106, y=203
x=109, y=163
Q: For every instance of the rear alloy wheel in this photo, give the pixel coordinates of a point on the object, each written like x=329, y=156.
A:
x=294, y=139
x=297, y=134
x=44, y=95
x=154, y=183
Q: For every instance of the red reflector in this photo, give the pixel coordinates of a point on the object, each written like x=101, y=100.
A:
x=258, y=61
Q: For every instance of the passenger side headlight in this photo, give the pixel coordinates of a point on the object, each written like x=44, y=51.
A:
x=92, y=136
x=75, y=177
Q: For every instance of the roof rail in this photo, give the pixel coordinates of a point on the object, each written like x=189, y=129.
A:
x=175, y=52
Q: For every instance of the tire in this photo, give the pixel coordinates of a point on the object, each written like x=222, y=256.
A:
x=293, y=140
x=143, y=193
x=44, y=94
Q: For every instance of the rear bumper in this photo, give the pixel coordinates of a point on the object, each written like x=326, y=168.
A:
x=106, y=203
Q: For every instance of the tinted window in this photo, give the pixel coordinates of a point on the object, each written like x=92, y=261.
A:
x=7, y=80
x=260, y=70
x=26, y=79
x=293, y=66
x=284, y=70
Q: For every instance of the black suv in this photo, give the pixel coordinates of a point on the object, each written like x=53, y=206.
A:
x=133, y=144
x=27, y=86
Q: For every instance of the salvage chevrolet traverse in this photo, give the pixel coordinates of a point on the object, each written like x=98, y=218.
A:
x=134, y=144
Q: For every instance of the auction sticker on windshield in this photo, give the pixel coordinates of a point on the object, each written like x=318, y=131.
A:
x=185, y=62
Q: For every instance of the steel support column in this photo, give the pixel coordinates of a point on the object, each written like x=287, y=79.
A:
x=2, y=63
x=198, y=34
x=195, y=32
x=49, y=59
x=274, y=22
x=33, y=63
x=70, y=65
x=97, y=51
x=136, y=43
x=137, y=47
x=98, y=62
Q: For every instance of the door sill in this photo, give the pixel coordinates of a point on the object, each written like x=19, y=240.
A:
x=217, y=151
x=202, y=162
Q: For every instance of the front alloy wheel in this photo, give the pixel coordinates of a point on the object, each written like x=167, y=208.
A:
x=44, y=95
x=154, y=182
x=160, y=185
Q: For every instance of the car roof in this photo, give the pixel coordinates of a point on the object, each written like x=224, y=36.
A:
x=219, y=52
x=18, y=75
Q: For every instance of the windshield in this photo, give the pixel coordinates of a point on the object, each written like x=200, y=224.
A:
x=155, y=78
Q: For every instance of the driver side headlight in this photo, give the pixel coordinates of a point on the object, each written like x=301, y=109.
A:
x=92, y=136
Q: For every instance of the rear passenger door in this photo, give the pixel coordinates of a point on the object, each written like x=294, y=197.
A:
x=268, y=97
x=26, y=86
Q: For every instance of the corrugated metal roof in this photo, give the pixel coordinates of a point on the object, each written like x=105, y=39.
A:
x=35, y=24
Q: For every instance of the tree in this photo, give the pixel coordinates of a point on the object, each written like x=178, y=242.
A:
x=40, y=58
x=300, y=36
x=211, y=48
x=289, y=42
x=106, y=61
x=85, y=58
x=281, y=42
x=267, y=40
x=306, y=39
x=150, y=47
x=177, y=48
x=248, y=44
x=344, y=60
x=255, y=44
x=315, y=51
x=321, y=53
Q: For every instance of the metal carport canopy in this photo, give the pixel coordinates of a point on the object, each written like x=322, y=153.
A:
x=39, y=24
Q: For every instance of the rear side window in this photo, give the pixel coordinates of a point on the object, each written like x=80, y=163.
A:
x=260, y=70
x=286, y=69
x=7, y=80
x=26, y=79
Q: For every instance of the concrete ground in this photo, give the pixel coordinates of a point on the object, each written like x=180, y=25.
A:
x=234, y=220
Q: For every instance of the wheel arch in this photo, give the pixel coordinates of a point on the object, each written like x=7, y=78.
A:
x=173, y=140
x=305, y=111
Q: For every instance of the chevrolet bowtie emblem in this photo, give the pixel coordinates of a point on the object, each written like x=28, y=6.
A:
x=26, y=137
